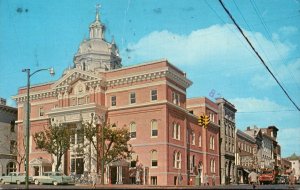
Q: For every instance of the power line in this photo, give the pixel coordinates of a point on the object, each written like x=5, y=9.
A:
x=260, y=58
x=269, y=35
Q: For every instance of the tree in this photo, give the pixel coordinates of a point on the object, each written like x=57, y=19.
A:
x=116, y=146
x=54, y=140
x=15, y=149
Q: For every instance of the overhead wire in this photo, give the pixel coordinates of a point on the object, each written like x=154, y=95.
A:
x=274, y=45
x=211, y=8
x=258, y=55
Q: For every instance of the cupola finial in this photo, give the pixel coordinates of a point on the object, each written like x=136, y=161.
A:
x=98, y=6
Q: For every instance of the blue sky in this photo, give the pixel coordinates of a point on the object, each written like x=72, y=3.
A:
x=196, y=35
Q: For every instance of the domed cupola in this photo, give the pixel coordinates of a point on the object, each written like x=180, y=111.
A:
x=95, y=54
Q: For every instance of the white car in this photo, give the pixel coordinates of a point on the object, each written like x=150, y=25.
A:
x=54, y=178
x=14, y=177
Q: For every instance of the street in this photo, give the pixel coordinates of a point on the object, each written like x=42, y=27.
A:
x=14, y=186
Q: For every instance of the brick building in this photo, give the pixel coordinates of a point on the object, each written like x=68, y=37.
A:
x=149, y=99
x=245, y=156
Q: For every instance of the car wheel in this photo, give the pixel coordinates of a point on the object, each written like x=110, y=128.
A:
x=55, y=183
x=1, y=181
x=36, y=182
x=18, y=182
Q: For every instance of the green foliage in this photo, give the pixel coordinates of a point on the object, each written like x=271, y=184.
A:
x=54, y=140
x=116, y=146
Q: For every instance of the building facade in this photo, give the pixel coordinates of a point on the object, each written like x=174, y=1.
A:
x=148, y=99
x=245, y=156
x=8, y=138
x=295, y=164
x=227, y=137
x=206, y=140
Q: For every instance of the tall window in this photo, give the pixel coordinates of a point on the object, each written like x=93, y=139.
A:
x=132, y=130
x=212, y=166
x=153, y=180
x=193, y=138
x=154, y=162
x=11, y=167
x=176, y=98
x=113, y=100
x=211, y=117
x=41, y=111
x=212, y=143
x=176, y=131
x=154, y=130
x=153, y=95
x=132, y=98
x=177, y=160
x=200, y=140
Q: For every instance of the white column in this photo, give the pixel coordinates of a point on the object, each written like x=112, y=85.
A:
x=121, y=175
x=118, y=176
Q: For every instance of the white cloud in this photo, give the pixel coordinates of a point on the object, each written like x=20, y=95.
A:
x=286, y=74
x=288, y=30
x=216, y=48
x=222, y=43
x=256, y=105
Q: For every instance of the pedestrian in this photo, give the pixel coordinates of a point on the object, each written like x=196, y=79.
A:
x=213, y=180
x=205, y=180
x=291, y=179
x=252, y=177
x=180, y=178
x=94, y=179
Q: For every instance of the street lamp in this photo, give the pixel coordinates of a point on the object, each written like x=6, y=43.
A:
x=102, y=118
x=51, y=71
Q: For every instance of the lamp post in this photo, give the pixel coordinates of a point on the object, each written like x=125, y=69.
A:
x=102, y=119
x=51, y=70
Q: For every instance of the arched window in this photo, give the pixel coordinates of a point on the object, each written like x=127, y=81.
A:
x=178, y=160
x=212, y=166
x=154, y=130
x=154, y=162
x=200, y=140
x=132, y=130
x=213, y=143
x=11, y=167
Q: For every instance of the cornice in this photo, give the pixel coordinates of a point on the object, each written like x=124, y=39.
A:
x=203, y=105
x=35, y=95
x=149, y=75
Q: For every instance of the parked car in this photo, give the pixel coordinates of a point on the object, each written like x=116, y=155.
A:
x=14, y=177
x=54, y=178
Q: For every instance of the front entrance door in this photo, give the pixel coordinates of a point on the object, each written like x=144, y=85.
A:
x=79, y=166
x=36, y=170
x=113, y=174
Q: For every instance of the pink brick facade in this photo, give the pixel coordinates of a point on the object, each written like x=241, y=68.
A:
x=151, y=96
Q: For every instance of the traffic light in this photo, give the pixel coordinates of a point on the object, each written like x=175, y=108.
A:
x=206, y=120
x=201, y=120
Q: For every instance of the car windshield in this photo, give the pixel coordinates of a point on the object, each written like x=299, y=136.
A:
x=267, y=172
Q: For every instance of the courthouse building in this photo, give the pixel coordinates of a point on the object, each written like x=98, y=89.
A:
x=150, y=99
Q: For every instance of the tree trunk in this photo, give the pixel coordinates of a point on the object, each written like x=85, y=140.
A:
x=58, y=162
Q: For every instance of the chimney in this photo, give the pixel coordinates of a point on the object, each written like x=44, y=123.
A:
x=248, y=128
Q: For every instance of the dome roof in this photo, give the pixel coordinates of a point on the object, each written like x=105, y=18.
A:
x=94, y=45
